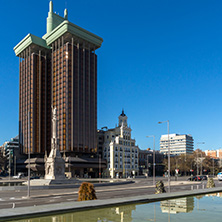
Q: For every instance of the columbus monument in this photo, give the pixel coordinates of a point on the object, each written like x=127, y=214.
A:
x=54, y=164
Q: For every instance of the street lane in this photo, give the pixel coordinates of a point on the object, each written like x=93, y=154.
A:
x=10, y=199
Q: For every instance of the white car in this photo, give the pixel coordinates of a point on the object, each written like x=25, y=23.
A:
x=219, y=176
x=19, y=176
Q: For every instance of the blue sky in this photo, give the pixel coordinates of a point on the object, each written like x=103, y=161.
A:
x=159, y=60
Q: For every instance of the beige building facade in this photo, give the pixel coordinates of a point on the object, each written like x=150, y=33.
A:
x=120, y=151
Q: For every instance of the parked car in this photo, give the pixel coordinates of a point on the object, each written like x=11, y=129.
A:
x=34, y=177
x=219, y=176
x=191, y=178
x=203, y=177
x=19, y=176
x=195, y=178
x=4, y=174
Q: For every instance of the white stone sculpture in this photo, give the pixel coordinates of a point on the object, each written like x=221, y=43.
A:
x=54, y=164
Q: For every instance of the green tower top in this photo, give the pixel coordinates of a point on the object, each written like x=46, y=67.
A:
x=53, y=19
x=58, y=26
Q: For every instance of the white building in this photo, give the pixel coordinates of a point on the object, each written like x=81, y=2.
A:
x=179, y=144
x=11, y=152
x=120, y=151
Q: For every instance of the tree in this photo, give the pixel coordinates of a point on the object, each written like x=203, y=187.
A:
x=3, y=162
x=86, y=192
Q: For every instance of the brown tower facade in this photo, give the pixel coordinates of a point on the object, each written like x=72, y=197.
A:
x=34, y=100
x=74, y=92
x=59, y=70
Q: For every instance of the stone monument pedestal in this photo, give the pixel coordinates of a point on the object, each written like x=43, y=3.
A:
x=54, y=164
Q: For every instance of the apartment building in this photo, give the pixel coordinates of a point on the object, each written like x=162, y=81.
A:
x=179, y=144
x=217, y=154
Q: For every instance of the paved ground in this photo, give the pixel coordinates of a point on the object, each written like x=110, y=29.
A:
x=142, y=186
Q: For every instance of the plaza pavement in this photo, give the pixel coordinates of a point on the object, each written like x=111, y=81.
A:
x=14, y=204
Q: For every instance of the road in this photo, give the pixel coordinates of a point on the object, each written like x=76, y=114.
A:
x=10, y=199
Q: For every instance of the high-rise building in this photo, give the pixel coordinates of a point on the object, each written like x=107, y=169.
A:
x=59, y=70
x=179, y=144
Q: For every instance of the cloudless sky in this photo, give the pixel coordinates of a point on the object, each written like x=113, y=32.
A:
x=160, y=60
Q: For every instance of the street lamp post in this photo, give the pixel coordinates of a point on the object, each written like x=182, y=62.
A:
x=147, y=160
x=14, y=165
x=28, y=194
x=191, y=169
x=197, y=165
x=213, y=167
x=9, y=169
x=148, y=164
x=201, y=167
x=154, y=160
x=176, y=170
x=213, y=163
x=99, y=167
x=168, y=129
x=123, y=160
x=126, y=171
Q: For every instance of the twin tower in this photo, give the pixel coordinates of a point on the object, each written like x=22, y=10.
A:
x=59, y=70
